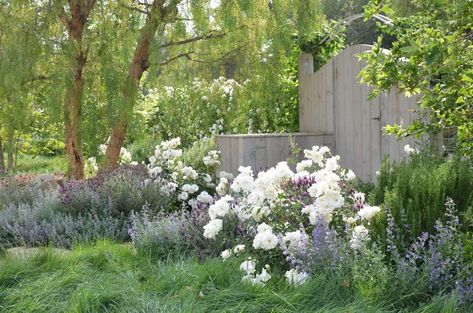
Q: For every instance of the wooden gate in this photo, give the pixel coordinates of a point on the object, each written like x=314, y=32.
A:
x=334, y=110
x=333, y=101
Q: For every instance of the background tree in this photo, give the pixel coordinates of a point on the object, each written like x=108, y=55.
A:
x=431, y=57
x=176, y=29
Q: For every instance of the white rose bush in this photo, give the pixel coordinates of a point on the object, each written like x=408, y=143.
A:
x=281, y=214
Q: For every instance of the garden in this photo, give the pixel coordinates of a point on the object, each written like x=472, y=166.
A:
x=112, y=193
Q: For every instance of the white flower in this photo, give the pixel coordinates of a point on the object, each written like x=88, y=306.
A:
x=226, y=254
x=368, y=212
x=190, y=189
x=212, y=158
x=258, y=212
x=264, y=227
x=220, y=208
x=359, y=237
x=315, y=155
x=243, y=182
x=238, y=249
x=295, y=239
x=213, y=228
x=296, y=278
x=264, y=277
x=249, y=267
x=204, y=197
x=350, y=175
x=222, y=186
x=349, y=220
x=332, y=163
x=303, y=165
x=245, y=170
x=265, y=240
x=207, y=178
x=189, y=172
x=408, y=150
x=183, y=196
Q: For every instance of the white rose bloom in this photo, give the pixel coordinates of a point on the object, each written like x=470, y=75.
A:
x=243, y=183
x=189, y=172
x=213, y=228
x=204, y=197
x=296, y=278
x=248, y=267
x=222, y=186
x=408, y=150
x=332, y=163
x=349, y=220
x=190, y=188
x=264, y=227
x=264, y=277
x=258, y=212
x=193, y=203
x=220, y=208
x=265, y=240
x=295, y=239
x=183, y=196
x=238, y=249
x=303, y=165
x=314, y=155
x=368, y=212
x=350, y=175
x=226, y=254
x=245, y=170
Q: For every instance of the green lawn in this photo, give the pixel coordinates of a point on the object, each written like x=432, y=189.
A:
x=109, y=277
x=40, y=164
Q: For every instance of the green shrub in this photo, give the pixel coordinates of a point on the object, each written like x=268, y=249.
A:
x=415, y=190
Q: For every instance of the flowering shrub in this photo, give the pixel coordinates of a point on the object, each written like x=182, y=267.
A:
x=209, y=107
x=43, y=223
x=187, y=187
x=122, y=190
x=279, y=209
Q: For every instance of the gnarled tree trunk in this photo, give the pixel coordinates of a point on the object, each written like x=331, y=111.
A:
x=138, y=66
x=10, y=147
x=2, y=161
x=75, y=24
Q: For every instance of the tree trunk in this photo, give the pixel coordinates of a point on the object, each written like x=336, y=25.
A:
x=10, y=147
x=75, y=24
x=2, y=161
x=138, y=66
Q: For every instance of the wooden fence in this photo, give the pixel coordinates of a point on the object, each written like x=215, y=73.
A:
x=334, y=110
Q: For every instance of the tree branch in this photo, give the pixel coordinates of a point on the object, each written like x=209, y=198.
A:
x=211, y=35
x=181, y=55
x=129, y=7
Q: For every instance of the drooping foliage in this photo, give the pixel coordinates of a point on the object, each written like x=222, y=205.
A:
x=431, y=57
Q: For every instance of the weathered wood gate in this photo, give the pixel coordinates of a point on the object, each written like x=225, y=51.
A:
x=333, y=105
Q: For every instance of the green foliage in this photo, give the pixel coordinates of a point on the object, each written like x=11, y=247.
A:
x=107, y=277
x=431, y=57
x=415, y=190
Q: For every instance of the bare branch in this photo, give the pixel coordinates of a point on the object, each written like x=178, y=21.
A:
x=181, y=55
x=134, y=8
x=211, y=35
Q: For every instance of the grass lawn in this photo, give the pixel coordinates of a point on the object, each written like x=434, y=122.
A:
x=40, y=164
x=108, y=277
